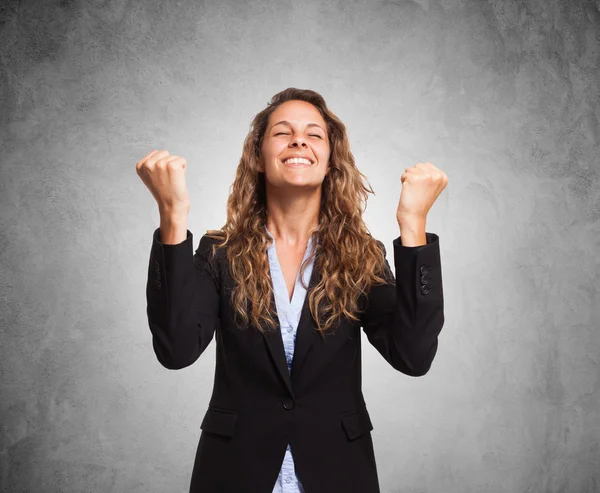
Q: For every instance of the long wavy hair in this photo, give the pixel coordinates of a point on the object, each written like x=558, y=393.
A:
x=346, y=254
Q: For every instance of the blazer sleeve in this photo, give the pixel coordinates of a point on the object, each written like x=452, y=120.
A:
x=403, y=318
x=182, y=294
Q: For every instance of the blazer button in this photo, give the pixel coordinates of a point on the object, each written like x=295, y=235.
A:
x=424, y=279
x=157, y=284
x=424, y=270
x=425, y=289
x=288, y=404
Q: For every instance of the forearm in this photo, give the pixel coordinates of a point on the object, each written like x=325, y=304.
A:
x=182, y=300
x=404, y=318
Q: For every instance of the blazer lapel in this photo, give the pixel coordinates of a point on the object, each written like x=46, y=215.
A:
x=306, y=329
x=304, y=338
x=274, y=342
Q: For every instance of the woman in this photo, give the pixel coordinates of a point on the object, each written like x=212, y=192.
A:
x=285, y=287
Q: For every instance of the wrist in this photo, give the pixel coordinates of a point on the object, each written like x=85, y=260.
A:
x=412, y=231
x=174, y=214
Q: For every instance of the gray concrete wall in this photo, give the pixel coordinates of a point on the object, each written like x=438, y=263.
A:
x=501, y=95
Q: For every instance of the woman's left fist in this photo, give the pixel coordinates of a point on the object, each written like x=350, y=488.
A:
x=421, y=186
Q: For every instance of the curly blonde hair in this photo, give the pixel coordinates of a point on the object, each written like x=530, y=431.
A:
x=346, y=254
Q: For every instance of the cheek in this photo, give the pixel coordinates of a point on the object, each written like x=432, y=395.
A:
x=324, y=157
x=274, y=151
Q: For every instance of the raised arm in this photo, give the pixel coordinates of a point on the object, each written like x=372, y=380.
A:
x=182, y=290
x=404, y=317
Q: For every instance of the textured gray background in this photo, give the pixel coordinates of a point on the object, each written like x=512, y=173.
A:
x=503, y=96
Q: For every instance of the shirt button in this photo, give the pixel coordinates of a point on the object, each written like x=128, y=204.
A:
x=288, y=480
x=290, y=329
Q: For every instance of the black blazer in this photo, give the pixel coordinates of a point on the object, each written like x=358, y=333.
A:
x=257, y=407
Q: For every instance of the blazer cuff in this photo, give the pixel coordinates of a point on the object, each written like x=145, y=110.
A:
x=420, y=266
x=156, y=239
x=175, y=258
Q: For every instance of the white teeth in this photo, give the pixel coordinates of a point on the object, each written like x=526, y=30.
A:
x=296, y=160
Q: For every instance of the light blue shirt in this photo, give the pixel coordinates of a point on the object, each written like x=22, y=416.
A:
x=289, y=316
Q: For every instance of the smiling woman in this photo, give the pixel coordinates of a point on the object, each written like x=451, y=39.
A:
x=297, y=139
x=284, y=287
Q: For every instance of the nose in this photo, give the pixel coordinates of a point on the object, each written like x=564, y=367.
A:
x=298, y=142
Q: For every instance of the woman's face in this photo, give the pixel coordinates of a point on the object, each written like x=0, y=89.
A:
x=295, y=128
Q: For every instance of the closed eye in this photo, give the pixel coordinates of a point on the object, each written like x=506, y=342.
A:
x=285, y=133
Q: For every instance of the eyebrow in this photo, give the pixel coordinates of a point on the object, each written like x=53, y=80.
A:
x=285, y=122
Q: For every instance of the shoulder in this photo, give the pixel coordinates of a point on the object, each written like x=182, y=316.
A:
x=209, y=245
x=381, y=247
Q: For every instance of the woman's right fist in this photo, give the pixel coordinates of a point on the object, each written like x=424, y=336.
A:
x=164, y=175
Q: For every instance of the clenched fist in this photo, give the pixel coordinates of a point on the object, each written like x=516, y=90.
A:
x=421, y=186
x=164, y=175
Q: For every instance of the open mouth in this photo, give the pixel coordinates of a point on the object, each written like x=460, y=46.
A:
x=297, y=163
